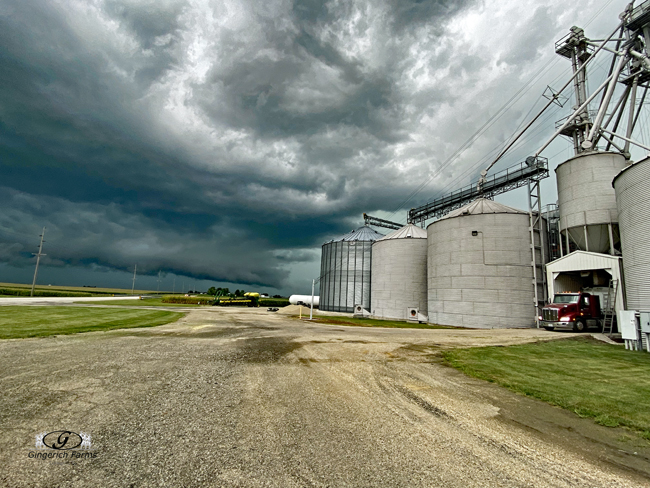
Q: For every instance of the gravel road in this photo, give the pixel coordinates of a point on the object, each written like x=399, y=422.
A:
x=246, y=398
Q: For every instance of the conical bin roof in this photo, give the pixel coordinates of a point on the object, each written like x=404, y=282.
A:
x=482, y=206
x=364, y=233
x=406, y=232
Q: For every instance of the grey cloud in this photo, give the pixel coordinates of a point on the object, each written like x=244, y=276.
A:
x=103, y=235
x=530, y=38
x=226, y=152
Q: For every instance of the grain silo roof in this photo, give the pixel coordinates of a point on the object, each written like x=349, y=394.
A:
x=364, y=233
x=483, y=206
x=408, y=231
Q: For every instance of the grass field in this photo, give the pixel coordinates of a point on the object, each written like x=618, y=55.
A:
x=396, y=324
x=78, y=289
x=145, y=302
x=20, y=322
x=591, y=378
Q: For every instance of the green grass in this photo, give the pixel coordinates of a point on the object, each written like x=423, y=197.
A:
x=25, y=292
x=593, y=379
x=19, y=322
x=80, y=289
x=274, y=302
x=358, y=322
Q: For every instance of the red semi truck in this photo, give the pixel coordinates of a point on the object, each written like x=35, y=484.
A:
x=575, y=311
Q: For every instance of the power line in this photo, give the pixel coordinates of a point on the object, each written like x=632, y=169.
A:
x=505, y=108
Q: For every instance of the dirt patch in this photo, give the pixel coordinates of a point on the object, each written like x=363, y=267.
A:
x=266, y=350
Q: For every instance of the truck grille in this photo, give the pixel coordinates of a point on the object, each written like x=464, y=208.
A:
x=549, y=314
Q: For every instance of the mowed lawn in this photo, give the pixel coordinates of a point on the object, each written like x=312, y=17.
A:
x=591, y=378
x=362, y=322
x=24, y=321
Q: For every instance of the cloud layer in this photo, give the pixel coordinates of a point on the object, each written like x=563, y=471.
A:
x=226, y=140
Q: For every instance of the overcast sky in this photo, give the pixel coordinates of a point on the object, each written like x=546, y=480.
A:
x=223, y=142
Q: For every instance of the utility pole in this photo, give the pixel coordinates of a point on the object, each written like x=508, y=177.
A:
x=38, y=260
x=311, y=309
x=135, y=270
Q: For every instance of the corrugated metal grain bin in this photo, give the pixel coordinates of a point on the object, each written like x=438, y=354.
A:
x=345, y=271
x=399, y=273
x=632, y=187
x=479, y=268
x=587, y=201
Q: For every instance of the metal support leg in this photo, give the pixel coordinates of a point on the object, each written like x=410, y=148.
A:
x=611, y=239
x=535, y=220
x=566, y=236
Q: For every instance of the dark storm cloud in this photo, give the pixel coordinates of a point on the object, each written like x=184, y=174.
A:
x=228, y=140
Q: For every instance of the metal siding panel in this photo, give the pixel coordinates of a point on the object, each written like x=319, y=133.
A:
x=633, y=201
x=586, y=196
x=495, y=292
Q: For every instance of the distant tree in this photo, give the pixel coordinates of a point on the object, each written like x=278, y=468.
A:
x=239, y=293
x=212, y=290
x=277, y=296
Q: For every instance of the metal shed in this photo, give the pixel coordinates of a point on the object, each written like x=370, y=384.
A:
x=586, y=271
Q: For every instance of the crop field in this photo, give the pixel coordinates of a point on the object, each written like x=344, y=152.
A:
x=20, y=322
x=145, y=302
x=593, y=379
x=75, y=289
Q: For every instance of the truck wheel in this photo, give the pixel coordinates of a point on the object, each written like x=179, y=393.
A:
x=579, y=326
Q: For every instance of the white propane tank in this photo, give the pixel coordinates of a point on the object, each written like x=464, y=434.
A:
x=303, y=299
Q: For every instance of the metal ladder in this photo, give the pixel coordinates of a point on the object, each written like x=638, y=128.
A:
x=608, y=314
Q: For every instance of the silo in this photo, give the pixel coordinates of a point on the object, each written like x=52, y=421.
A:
x=632, y=187
x=587, y=201
x=479, y=267
x=345, y=271
x=399, y=273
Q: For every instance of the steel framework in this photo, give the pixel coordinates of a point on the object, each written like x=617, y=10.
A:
x=522, y=174
x=377, y=222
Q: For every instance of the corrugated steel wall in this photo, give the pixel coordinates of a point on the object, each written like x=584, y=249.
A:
x=633, y=203
x=482, y=281
x=586, y=197
x=345, y=275
x=399, y=277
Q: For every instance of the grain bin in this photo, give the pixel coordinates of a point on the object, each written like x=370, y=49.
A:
x=479, y=267
x=399, y=273
x=587, y=201
x=632, y=187
x=345, y=271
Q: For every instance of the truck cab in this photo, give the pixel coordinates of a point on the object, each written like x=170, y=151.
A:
x=572, y=311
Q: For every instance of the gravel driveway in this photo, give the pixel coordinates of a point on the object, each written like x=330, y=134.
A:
x=230, y=397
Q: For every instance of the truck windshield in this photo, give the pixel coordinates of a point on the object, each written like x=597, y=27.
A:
x=566, y=298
